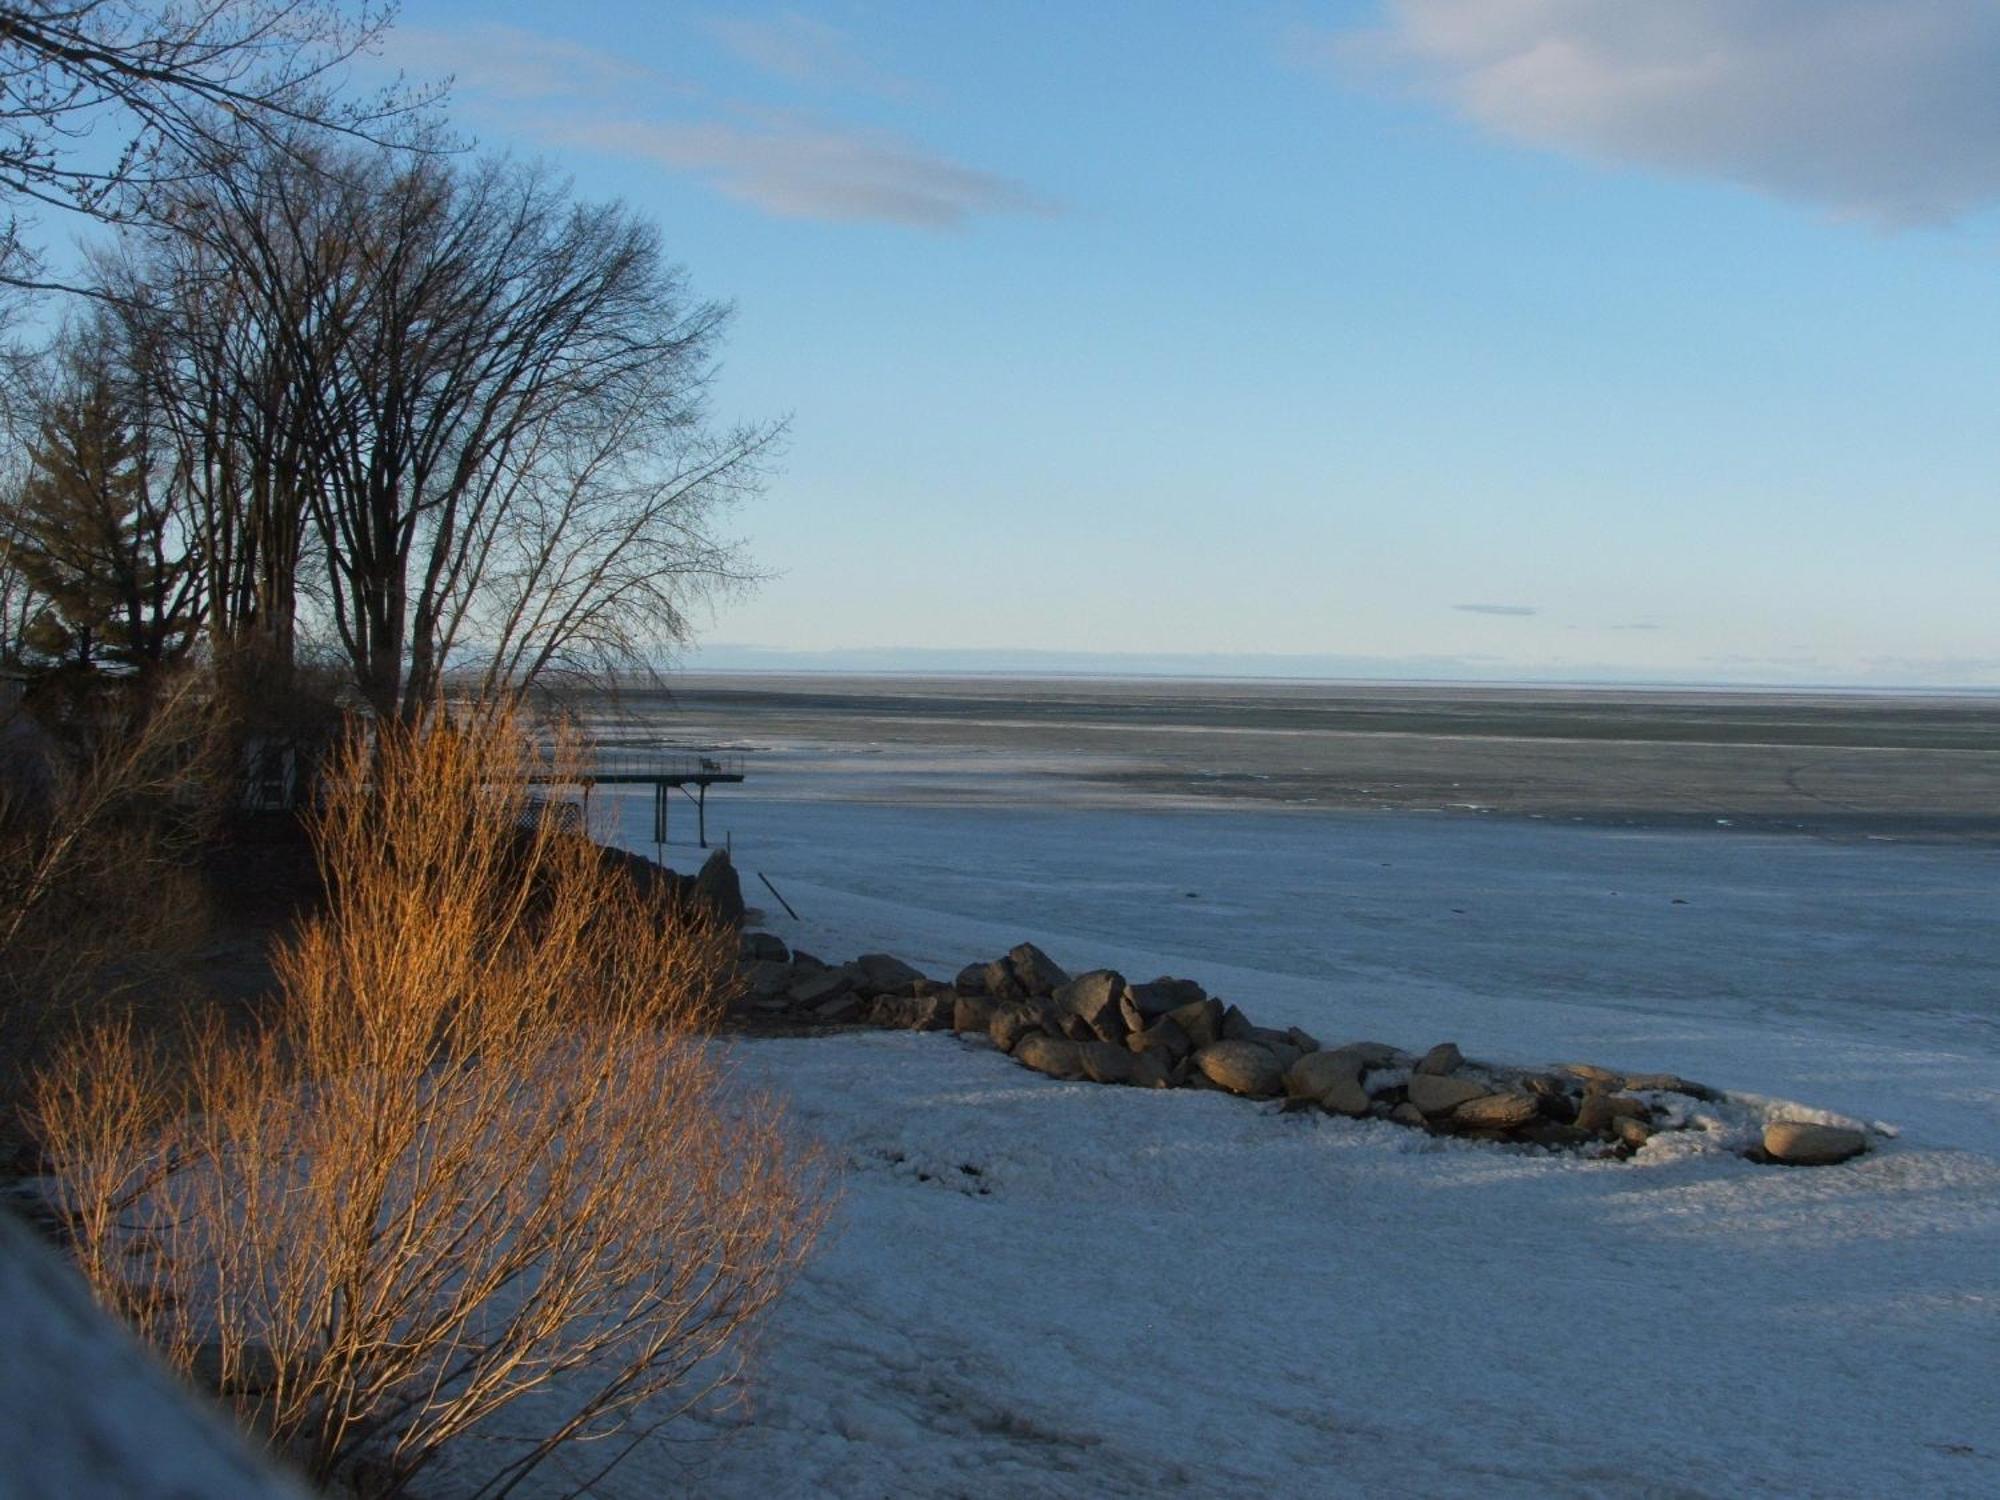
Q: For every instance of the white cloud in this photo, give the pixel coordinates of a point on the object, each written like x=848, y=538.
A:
x=813, y=171
x=804, y=50
x=509, y=62
x=1885, y=110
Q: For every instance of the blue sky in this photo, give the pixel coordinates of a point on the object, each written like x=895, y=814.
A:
x=1515, y=338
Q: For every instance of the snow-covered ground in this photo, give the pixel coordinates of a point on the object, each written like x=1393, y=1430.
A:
x=1043, y=1289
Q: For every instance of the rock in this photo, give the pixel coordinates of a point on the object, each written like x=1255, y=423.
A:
x=1407, y=1114
x=1316, y=1072
x=804, y=960
x=1598, y=1111
x=763, y=947
x=1344, y=1096
x=766, y=978
x=1438, y=1095
x=1000, y=983
x=913, y=1012
x=1592, y=1074
x=1666, y=1083
x=1201, y=1020
x=1633, y=1131
x=1096, y=997
x=1558, y=1106
x=1151, y=1070
x=1035, y=971
x=971, y=1013
x=1047, y=1054
x=1372, y=1054
x=1013, y=1021
x=1163, y=1039
x=1554, y=1135
x=1442, y=1060
x=924, y=987
x=1496, y=1112
x=1072, y=1025
x=1798, y=1144
x=1305, y=1041
x=971, y=980
x=845, y=1006
x=816, y=986
x=1107, y=1062
x=1236, y=1026
x=1159, y=997
x=1242, y=1068
x=717, y=887
x=882, y=974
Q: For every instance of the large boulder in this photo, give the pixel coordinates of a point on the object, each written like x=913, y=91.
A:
x=1035, y=971
x=1013, y=1020
x=1436, y=1094
x=1599, y=1112
x=1000, y=983
x=1373, y=1054
x=1345, y=1096
x=816, y=986
x=971, y=1013
x=1050, y=1055
x=1667, y=1083
x=1201, y=1020
x=765, y=978
x=1164, y=1039
x=1107, y=1062
x=1442, y=1060
x=1316, y=1072
x=762, y=947
x=1242, y=1067
x=717, y=888
x=912, y=1012
x=1236, y=1026
x=1799, y=1144
x=1096, y=997
x=971, y=980
x=1159, y=997
x=1496, y=1112
x=883, y=974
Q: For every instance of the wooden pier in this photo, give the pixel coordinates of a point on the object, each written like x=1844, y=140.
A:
x=665, y=770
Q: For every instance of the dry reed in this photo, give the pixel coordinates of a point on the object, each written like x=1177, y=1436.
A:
x=487, y=1150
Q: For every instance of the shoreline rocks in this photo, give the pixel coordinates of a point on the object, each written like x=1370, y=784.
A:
x=1170, y=1032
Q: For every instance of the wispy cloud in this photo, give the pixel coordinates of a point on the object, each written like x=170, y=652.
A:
x=1883, y=110
x=509, y=62
x=1498, y=609
x=781, y=162
x=804, y=50
x=807, y=171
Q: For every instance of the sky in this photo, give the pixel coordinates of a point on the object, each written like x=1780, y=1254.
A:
x=1538, y=339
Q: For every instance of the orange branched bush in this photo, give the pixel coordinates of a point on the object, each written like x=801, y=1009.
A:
x=488, y=1149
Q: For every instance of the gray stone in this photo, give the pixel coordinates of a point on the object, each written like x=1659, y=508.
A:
x=1000, y=983
x=971, y=980
x=1798, y=1144
x=1151, y=1070
x=817, y=986
x=1442, y=1060
x=1344, y=1096
x=1096, y=997
x=1435, y=1094
x=1035, y=971
x=1050, y=1055
x=1598, y=1112
x=763, y=947
x=1236, y=1026
x=1666, y=1083
x=766, y=978
x=1497, y=1112
x=913, y=1012
x=971, y=1013
x=1316, y=1072
x=1373, y=1054
x=1013, y=1021
x=1164, y=1038
x=1201, y=1020
x=1107, y=1062
x=717, y=888
x=1407, y=1114
x=1633, y=1131
x=845, y=1006
x=1305, y=1041
x=1590, y=1073
x=1159, y=997
x=1241, y=1067
x=802, y=960
x=883, y=973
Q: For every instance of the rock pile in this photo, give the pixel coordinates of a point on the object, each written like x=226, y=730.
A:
x=1170, y=1033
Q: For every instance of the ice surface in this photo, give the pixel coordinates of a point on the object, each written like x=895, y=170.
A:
x=1133, y=1292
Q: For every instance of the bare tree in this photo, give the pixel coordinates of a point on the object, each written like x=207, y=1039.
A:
x=103, y=101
